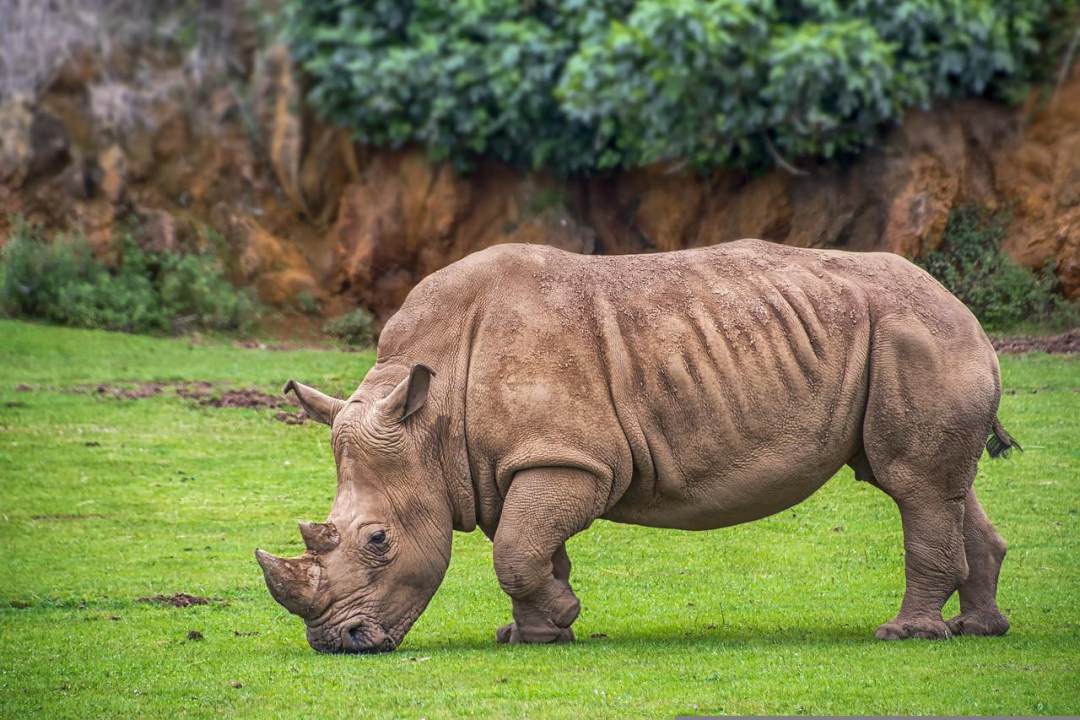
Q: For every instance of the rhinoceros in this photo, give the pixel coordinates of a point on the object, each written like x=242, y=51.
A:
x=529, y=391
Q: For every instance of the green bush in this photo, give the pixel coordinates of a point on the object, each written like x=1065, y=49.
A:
x=355, y=328
x=1002, y=294
x=62, y=282
x=580, y=86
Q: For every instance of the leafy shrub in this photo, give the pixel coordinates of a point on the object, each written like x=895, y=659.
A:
x=306, y=303
x=1002, y=294
x=580, y=86
x=355, y=328
x=62, y=282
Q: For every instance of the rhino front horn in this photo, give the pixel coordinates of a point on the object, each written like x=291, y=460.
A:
x=320, y=537
x=292, y=581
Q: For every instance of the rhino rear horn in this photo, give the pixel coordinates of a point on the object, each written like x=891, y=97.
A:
x=319, y=406
x=320, y=537
x=292, y=581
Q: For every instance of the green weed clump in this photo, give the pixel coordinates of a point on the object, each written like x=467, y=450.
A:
x=1001, y=293
x=60, y=281
x=355, y=328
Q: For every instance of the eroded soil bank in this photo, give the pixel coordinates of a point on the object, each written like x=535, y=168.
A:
x=312, y=220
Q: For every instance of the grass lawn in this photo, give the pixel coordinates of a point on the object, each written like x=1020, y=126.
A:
x=106, y=500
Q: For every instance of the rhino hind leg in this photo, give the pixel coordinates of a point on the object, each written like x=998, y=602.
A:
x=985, y=550
x=543, y=508
x=930, y=405
x=934, y=566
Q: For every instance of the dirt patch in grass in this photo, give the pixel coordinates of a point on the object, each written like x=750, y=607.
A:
x=204, y=393
x=1065, y=343
x=249, y=398
x=178, y=600
x=68, y=517
x=135, y=392
x=292, y=418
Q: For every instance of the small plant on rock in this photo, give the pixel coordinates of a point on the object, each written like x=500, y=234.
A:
x=355, y=328
x=1001, y=293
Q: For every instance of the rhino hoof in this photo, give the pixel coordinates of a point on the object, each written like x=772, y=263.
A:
x=511, y=634
x=976, y=623
x=927, y=629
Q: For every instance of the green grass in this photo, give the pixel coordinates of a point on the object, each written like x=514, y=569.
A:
x=104, y=501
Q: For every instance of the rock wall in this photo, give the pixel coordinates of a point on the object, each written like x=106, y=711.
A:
x=308, y=216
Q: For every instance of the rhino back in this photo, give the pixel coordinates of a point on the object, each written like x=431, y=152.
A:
x=704, y=387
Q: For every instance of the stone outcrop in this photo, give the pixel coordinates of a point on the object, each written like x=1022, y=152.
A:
x=308, y=216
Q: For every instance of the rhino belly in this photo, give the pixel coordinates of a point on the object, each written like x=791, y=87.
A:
x=730, y=498
x=735, y=412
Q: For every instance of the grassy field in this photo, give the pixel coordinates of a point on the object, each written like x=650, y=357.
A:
x=106, y=500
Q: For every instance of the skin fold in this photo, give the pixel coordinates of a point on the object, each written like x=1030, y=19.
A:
x=528, y=391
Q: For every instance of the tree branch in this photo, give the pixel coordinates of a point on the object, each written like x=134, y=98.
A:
x=779, y=159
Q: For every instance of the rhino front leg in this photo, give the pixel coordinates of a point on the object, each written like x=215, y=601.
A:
x=543, y=508
x=560, y=564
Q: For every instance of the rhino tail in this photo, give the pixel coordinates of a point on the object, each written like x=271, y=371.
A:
x=1000, y=443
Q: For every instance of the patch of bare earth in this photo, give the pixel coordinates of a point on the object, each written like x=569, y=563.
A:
x=249, y=398
x=1065, y=343
x=206, y=394
x=178, y=600
x=135, y=392
x=292, y=418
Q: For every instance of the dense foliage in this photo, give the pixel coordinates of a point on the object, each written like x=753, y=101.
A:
x=61, y=281
x=1001, y=293
x=580, y=85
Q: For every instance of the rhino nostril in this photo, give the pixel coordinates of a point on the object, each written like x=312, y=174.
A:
x=356, y=634
x=369, y=639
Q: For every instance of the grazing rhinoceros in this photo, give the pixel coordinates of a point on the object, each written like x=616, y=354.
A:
x=530, y=391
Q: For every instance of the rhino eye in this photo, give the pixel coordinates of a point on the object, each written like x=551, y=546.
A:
x=377, y=538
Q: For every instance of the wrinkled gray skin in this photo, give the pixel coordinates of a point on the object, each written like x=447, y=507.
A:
x=529, y=391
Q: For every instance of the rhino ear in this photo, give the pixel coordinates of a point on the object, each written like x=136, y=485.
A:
x=317, y=405
x=320, y=537
x=409, y=395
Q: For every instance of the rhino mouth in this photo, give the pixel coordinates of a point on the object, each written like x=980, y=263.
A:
x=360, y=638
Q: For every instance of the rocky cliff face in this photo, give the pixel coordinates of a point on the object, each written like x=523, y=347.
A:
x=308, y=215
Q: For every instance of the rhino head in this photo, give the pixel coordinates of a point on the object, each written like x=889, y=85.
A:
x=370, y=570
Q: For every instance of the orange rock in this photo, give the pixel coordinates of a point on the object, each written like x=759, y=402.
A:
x=278, y=102
x=16, y=149
x=113, y=164
x=277, y=269
x=283, y=288
x=326, y=168
x=1068, y=260
x=305, y=210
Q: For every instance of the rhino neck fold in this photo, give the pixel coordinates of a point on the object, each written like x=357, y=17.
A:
x=453, y=444
x=441, y=427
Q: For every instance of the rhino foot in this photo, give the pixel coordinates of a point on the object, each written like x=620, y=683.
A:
x=925, y=628
x=979, y=623
x=512, y=634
